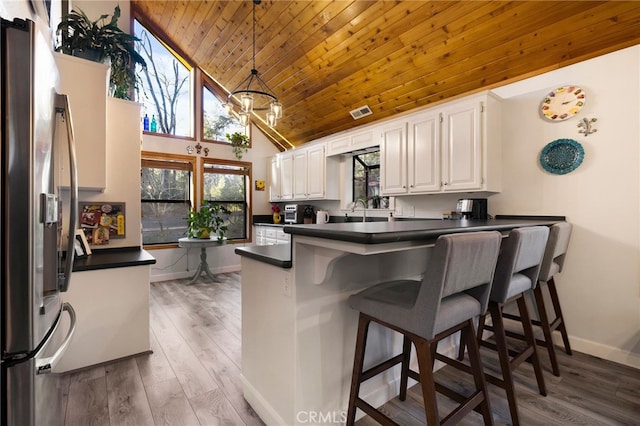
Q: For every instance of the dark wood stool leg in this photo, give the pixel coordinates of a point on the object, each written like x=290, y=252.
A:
x=425, y=362
x=556, y=307
x=469, y=337
x=358, y=362
x=546, y=329
x=531, y=341
x=495, y=310
x=404, y=375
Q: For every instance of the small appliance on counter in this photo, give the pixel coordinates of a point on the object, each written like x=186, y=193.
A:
x=472, y=208
x=293, y=213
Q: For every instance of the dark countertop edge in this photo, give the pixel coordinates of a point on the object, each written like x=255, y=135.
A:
x=273, y=225
x=120, y=257
x=278, y=255
x=378, y=237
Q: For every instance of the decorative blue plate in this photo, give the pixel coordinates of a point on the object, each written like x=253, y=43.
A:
x=561, y=156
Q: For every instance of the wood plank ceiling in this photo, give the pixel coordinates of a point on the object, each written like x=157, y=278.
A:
x=325, y=58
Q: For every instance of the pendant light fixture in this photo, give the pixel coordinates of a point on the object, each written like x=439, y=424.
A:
x=253, y=93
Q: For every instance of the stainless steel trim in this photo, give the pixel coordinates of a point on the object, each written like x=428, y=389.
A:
x=45, y=365
x=62, y=107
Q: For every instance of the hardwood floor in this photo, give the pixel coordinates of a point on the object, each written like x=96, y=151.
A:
x=193, y=375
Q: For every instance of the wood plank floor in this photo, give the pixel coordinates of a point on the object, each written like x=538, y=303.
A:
x=193, y=375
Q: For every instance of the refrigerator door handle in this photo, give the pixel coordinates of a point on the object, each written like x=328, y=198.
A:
x=62, y=107
x=45, y=365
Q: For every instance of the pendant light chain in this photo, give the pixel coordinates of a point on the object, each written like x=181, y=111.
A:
x=262, y=91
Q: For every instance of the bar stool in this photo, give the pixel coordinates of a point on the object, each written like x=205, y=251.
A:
x=454, y=290
x=552, y=264
x=516, y=272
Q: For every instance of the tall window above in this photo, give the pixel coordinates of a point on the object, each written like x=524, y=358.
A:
x=228, y=183
x=216, y=123
x=166, y=195
x=165, y=86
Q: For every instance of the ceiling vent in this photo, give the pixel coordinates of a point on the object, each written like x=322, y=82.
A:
x=360, y=112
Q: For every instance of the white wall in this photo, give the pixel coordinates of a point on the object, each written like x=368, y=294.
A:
x=182, y=263
x=600, y=287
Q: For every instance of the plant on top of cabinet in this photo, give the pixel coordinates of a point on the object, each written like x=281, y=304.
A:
x=239, y=143
x=207, y=220
x=99, y=41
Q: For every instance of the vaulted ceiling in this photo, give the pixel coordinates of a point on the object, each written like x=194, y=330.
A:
x=325, y=58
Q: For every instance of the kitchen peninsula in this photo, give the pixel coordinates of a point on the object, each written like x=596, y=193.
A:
x=298, y=333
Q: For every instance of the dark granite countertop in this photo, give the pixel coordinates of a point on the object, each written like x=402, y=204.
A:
x=426, y=231
x=277, y=255
x=389, y=232
x=113, y=258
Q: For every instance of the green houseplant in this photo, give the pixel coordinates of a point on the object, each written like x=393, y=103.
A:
x=102, y=40
x=239, y=142
x=207, y=220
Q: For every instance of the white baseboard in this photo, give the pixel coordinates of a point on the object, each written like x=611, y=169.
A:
x=267, y=414
x=599, y=350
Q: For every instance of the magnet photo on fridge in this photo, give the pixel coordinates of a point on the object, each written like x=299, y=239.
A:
x=102, y=221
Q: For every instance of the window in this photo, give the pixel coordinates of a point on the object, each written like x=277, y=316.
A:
x=166, y=195
x=216, y=123
x=366, y=175
x=165, y=86
x=228, y=183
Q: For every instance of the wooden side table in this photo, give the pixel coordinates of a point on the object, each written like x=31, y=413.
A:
x=202, y=244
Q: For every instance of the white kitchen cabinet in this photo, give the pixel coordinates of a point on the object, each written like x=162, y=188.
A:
x=352, y=141
x=270, y=235
x=286, y=176
x=304, y=174
x=112, y=309
x=455, y=147
x=309, y=173
x=462, y=145
x=393, y=159
x=275, y=193
x=300, y=174
x=85, y=82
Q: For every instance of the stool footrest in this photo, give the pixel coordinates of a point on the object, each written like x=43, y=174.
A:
x=374, y=371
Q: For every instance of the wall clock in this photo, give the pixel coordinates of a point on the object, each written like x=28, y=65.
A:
x=563, y=103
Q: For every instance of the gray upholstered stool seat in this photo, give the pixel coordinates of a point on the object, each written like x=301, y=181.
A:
x=552, y=264
x=454, y=290
x=516, y=273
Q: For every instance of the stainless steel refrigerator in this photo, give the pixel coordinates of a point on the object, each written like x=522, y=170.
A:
x=35, y=270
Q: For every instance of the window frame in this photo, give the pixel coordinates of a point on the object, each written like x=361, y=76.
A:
x=248, y=196
x=160, y=158
x=355, y=158
x=185, y=60
x=207, y=83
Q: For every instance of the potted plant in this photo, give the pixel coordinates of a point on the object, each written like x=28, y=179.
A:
x=239, y=142
x=99, y=41
x=307, y=214
x=207, y=220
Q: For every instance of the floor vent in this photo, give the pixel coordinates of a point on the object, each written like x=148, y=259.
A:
x=360, y=112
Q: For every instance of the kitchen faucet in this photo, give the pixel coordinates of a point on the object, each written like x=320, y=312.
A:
x=364, y=208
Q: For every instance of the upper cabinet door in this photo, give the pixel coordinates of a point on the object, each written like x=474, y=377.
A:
x=274, y=179
x=316, y=172
x=462, y=146
x=286, y=176
x=300, y=175
x=393, y=159
x=424, y=153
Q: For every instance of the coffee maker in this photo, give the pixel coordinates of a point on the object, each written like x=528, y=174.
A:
x=472, y=208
